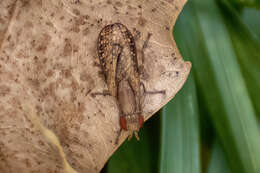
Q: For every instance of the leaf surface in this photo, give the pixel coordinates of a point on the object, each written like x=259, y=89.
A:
x=49, y=120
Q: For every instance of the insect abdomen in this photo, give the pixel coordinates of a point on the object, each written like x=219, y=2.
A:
x=118, y=58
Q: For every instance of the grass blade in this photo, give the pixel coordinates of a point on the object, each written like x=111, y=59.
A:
x=247, y=49
x=218, y=162
x=221, y=83
x=180, y=132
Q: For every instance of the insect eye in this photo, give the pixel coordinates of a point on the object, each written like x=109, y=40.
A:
x=123, y=123
x=141, y=121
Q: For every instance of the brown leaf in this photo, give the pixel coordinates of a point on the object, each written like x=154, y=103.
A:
x=48, y=71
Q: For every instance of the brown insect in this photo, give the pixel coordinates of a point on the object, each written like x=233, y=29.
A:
x=117, y=54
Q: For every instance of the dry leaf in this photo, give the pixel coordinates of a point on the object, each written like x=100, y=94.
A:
x=49, y=121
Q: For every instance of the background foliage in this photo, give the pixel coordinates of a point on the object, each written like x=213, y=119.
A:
x=212, y=125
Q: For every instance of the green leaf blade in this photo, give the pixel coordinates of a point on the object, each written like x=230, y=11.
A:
x=180, y=133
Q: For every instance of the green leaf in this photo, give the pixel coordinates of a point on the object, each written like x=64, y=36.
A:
x=221, y=83
x=218, y=162
x=179, y=151
x=247, y=3
x=251, y=18
x=246, y=47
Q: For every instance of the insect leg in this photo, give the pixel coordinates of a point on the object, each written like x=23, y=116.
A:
x=142, y=99
x=130, y=136
x=136, y=135
x=145, y=45
x=152, y=92
x=104, y=93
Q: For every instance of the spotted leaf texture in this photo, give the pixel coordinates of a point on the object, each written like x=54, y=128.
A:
x=49, y=67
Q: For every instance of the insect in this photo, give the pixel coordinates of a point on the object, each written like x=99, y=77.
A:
x=118, y=58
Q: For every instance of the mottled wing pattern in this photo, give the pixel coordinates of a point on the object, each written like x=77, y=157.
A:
x=117, y=55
